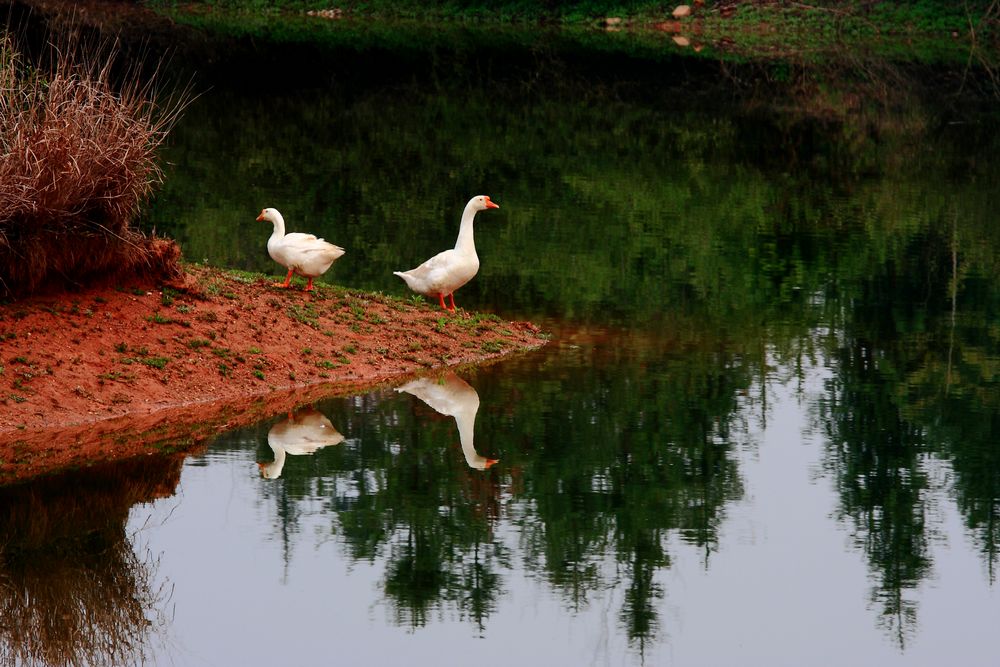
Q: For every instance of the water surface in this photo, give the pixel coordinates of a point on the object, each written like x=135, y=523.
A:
x=763, y=432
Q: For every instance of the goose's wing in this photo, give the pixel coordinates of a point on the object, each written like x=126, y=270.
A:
x=322, y=248
x=305, y=253
x=448, y=394
x=311, y=425
x=435, y=270
x=307, y=438
x=431, y=393
x=311, y=443
x=299, y=237
x=309, y=243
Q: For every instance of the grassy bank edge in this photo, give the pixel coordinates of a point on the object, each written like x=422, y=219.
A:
x=979, y=18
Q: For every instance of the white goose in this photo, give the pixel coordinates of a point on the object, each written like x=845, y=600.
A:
x=303, y=254
x=452, y=396
x=446, y=271
x=302, y=433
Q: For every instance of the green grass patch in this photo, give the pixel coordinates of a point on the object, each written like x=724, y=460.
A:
x=116, y=376
x=305, y=313
x=160, y=318
x=244, y=277
x=154, y=362
x=491, y=346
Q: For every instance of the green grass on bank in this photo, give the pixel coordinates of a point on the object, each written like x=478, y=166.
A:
x=751, y=32
x=883, y=16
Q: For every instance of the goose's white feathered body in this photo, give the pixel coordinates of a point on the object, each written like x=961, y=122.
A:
x=303, y=433
x=452, y=396
x=300, y=253
x=446, y=271
x=443, y=273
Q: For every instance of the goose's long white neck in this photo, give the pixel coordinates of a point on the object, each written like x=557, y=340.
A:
x=466, y=243
x=273, y=470
x=465, y=418
x=279, y=226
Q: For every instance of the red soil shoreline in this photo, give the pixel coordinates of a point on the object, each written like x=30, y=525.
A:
x=114, y=372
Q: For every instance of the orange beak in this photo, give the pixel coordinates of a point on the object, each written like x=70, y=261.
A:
x=260, y=217
x=490, y=204
x=491, y=462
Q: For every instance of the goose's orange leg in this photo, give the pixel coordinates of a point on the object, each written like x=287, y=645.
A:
x=441, y=301
x=288, y=279
x=452, y=297
x=309, y=287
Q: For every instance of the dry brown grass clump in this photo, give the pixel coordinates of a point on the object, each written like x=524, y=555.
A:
x=76, y=163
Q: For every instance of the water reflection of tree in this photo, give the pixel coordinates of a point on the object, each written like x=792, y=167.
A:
x=442, y=514
x=976, y=462
x=914, y=377
x=949, y=387
x=400, y=490
x=876, y=457
x=647, y=457
x=72, y=589
x=610, y=475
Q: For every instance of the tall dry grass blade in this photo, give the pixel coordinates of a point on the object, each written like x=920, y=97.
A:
x=77, y=161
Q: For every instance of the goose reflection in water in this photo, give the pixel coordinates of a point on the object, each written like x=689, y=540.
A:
x=452, y=396
x=304, y=432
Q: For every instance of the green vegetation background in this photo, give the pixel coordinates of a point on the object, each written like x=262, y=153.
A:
x=897, y=16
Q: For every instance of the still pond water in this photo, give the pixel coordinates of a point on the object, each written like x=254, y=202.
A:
x=764, y=431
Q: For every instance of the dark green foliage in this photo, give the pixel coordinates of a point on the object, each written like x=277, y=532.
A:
x=898, y=15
